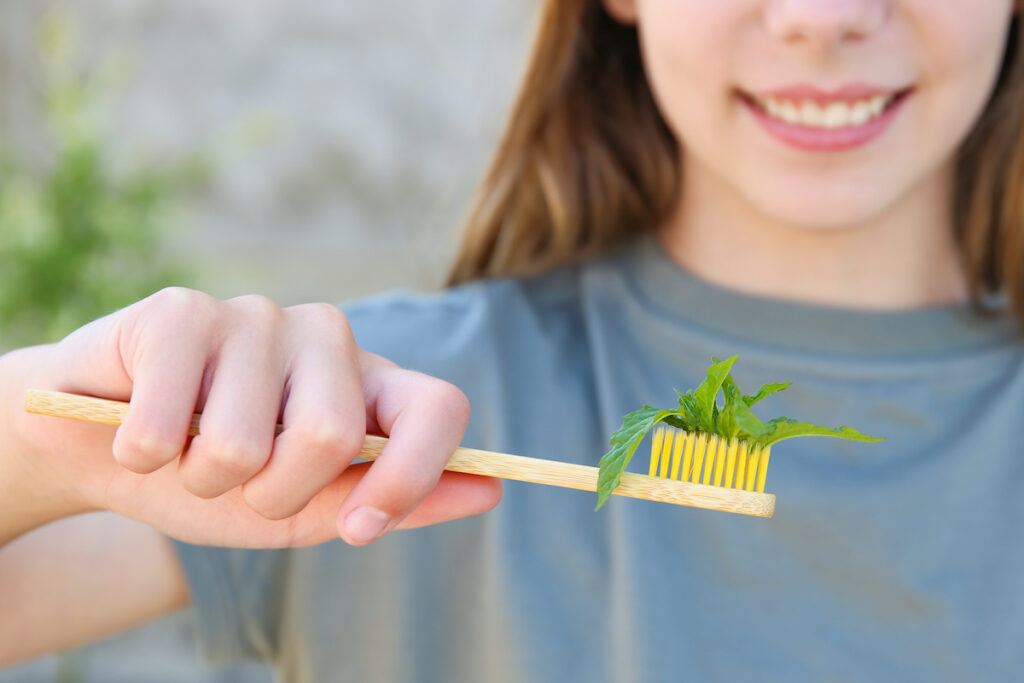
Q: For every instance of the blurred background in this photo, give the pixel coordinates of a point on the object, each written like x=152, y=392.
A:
x=309, y=151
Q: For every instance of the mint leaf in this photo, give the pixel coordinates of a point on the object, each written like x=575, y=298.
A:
x=699, y=411
x=624, y=443
x=726, y=425
x=765, y=391
x=750, y=425
x=704, y=396
x=689, y=412
x=677, y=422
x=784, y=428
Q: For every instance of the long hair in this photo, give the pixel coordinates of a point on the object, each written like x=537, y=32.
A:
x=989, y=196
x=586, y=161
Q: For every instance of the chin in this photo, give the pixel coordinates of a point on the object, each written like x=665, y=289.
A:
x=819, y=208
x=823, y=217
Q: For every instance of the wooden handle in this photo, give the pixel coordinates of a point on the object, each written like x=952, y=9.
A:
x=469, y=461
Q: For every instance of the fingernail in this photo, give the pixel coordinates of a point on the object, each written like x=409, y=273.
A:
x=365, y=524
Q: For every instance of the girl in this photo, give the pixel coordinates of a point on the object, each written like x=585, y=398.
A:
x=830, y=190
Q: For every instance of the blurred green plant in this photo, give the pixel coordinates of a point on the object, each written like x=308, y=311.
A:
x=77, y=239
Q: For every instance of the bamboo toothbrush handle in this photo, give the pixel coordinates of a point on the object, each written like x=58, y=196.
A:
x=467, y=460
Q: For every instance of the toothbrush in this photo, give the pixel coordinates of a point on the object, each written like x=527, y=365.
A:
x=707, y=458
x=676, y=461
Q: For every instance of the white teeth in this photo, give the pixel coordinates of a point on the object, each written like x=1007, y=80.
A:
x=860, y=114
x=811, y=115
x=789, y=112
x=835, y=115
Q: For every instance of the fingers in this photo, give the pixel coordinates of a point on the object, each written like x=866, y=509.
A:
x=425, y=419
x=324, y=417
x=236, y=431
x=246, y=364
x=227, y=520
x=456, y=495
x=166, y=368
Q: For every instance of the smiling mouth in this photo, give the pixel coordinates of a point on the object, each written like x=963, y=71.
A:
x=824, y=113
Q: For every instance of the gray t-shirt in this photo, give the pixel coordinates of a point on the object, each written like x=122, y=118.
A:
x=891, y=561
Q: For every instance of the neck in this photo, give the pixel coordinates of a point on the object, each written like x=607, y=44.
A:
x=904, y=259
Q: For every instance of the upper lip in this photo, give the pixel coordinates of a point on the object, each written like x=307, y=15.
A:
x=807, y=91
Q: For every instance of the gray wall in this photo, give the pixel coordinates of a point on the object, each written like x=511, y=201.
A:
x=381, y=117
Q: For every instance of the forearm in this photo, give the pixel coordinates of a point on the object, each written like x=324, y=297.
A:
x=67, y=578
x=80, y=579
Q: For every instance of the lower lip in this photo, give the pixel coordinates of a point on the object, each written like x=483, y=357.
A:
x=827, y=139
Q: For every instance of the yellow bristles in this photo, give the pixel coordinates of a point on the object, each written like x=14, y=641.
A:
x=698, y=456
x=762, y=470
x=723, y=448
x=666, y=453
x=730, y=463
x=658, y=440
x=741, y=465
x=684, y=473
x=677, y=451
x=755, y=455
x=708, y=459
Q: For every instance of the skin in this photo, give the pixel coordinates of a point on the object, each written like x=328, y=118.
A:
x=864, y=228
x=869, y=227
x=235, y=485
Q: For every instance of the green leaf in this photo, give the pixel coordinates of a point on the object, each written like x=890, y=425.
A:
x=699, y=411
x=688, y=411
x=750, y=424
x=704, y=396
x=765, y=391
x=784, y=428
x=726, y=425
x=677, y=422
x=729, y=388
x=624, y=443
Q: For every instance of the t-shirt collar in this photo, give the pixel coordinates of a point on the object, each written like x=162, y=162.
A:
x=802, y=326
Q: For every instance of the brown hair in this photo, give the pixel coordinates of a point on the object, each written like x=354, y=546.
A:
x=990, y=185
x=586, y=161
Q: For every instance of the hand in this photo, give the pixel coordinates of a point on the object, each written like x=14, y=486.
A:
x=246, y=365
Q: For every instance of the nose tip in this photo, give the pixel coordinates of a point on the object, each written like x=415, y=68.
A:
x=824, y=23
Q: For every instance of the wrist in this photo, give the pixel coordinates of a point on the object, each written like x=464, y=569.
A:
x=35, y=486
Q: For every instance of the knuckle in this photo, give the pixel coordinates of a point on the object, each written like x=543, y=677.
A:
x=449, y=399
x=183, y=301
x=257, y=303
x=144, y=453
x=181, y=308
x=234, y=458
x=327, y=317
x=260, y=309
x=334, y=436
